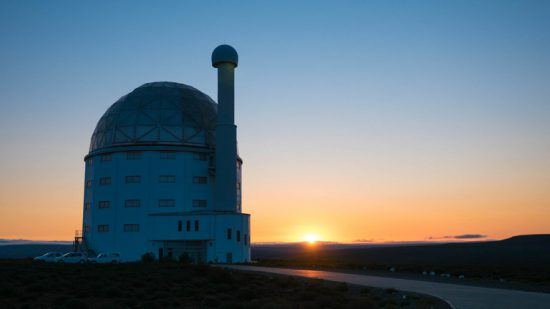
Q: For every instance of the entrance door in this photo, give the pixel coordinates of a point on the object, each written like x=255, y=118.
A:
x=229, y=258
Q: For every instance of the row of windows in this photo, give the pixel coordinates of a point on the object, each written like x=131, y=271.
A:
x=135, y=228
x=136, y=155
x=104, y=181
x=188, y=226
x=132, y=203
x=103, y=228
x=237, y=236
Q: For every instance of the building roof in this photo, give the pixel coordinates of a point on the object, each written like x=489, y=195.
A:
x=159, y=113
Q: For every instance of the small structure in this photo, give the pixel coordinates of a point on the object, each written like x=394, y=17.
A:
x=163, y=174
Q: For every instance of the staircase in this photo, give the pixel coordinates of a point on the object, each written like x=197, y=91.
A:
x=80, y=245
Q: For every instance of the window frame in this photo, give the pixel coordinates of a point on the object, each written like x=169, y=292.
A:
x=167, y=179
x=128, y=203
x=201, y=180
x=200, y=203
x=131, y=228
x=131, y=178
x=101, y=204
x=164, y=202
x=105, y=181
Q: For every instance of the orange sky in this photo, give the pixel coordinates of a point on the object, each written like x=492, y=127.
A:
x=367, y=202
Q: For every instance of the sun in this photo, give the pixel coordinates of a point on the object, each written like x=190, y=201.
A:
x=311, y=238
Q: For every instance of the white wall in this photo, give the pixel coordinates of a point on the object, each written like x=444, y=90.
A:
x=157, y=223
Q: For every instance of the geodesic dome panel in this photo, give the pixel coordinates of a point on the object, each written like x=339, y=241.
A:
x=159, y=113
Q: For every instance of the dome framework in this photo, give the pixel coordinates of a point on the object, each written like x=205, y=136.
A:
x=159, y=113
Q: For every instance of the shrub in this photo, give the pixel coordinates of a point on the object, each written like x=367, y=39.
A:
x=365, y=291
x=342, y=287
x=148, y=257
x=184, y=258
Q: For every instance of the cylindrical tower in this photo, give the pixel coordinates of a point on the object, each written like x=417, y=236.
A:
x=225, y=59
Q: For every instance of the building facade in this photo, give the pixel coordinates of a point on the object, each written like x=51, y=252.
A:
x=157, y=179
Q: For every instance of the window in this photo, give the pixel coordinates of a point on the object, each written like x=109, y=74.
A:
x=131, y=227
x=103, y=228
x=196, y=225
x=87, y=205
x=229, y=233
x=167, y=203
x=199, y=203
x=89, y=162
x=132, y=203
x=167, y=155
x=86, y=228
x=188, y=227
x=246, y=239
x=105, y=181
x=133, y=179
x=133, y=155
x=180, y=226
x=106, y=157
x=167, y=178
x=104, y=204
x=200, y=179
x=88, y=183
x=238, y=235
x=201, y=156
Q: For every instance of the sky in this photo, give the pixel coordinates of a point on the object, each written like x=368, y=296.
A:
x=357, y=120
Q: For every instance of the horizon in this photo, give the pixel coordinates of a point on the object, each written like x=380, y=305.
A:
x=358, y=121
x=439, y=240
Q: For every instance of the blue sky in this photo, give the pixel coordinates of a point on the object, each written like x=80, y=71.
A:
x=358, y=98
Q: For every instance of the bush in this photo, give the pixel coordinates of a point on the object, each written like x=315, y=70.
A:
x=342, y=287
x=148, y=257
x=184, y=258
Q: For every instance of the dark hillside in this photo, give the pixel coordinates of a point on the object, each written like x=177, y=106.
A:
x=26, y=251
x=520, y=258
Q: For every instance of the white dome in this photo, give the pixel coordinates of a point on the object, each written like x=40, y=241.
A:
x=159, y=113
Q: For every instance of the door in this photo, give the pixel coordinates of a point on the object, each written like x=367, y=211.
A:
x=229, y=258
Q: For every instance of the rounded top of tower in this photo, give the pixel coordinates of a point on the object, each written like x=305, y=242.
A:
x=224, y=54
x=159, y=113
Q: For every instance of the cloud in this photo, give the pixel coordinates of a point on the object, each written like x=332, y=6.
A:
x=364, y=240
x=469, y=236
x=462, y=236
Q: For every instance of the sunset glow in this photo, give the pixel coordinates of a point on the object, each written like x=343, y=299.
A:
x=311, y=238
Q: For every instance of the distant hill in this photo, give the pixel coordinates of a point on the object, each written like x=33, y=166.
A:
x=31, y=250
x=526, y=250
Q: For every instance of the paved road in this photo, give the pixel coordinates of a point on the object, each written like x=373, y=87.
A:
x=459, y=296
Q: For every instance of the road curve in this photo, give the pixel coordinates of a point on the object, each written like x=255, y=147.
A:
x=459, y=296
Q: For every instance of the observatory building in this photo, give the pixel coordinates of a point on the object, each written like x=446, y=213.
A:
x=163, y=174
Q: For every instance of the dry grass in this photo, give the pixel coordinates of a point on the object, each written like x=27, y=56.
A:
x=163, y=285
